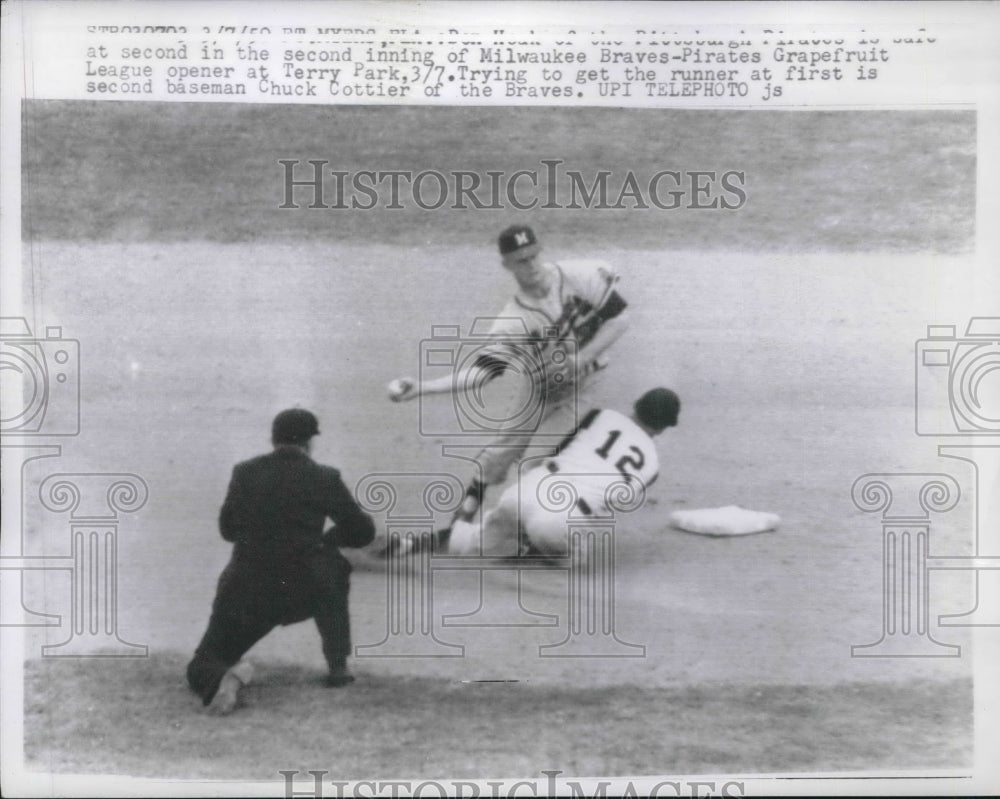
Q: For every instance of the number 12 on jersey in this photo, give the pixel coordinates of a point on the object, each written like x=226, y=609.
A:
x=627, y=458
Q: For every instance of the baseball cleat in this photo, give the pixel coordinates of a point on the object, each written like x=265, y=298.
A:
x=400, y=547
x=227, y=697
x=411, y=545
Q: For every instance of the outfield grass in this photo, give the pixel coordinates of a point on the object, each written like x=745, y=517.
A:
x=137, y=717
x=856, y=181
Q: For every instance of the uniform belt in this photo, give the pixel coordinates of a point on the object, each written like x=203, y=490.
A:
x=581, y=503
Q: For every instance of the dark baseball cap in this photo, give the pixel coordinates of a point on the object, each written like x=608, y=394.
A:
x=658, y=408
x=294, y=426
x=515, y=238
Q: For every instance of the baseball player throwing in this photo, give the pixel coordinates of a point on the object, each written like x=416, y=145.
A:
x=574, y=302
x=607, y=448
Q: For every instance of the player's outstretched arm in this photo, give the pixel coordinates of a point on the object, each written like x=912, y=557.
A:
x=408, y=388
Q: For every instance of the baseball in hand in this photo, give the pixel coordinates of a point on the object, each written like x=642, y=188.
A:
x=401, y=389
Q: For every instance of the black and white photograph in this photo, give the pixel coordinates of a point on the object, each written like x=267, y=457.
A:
x=432, y=400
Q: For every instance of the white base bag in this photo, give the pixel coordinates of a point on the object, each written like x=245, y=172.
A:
x=730, y=520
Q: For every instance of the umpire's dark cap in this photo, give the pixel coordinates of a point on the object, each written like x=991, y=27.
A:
x=658, y=409
x=294, y=426
x=516, y=237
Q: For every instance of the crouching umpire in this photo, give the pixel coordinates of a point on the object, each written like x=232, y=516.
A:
x=284, y=568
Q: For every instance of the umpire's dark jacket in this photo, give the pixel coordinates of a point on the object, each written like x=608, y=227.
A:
x=283, y=564
x=277, y=505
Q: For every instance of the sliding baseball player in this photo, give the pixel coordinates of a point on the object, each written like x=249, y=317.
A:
x=609, y=453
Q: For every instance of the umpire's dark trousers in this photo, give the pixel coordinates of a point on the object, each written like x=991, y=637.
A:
x=254, y=597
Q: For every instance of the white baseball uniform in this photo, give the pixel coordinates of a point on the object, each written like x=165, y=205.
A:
x=582, y=297
x=607, y=449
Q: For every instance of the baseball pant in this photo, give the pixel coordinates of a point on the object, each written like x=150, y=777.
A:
x=530, y=512
x=252, y=599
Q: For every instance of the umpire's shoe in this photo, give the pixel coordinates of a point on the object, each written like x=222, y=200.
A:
x=227, y=697
x=339, y=676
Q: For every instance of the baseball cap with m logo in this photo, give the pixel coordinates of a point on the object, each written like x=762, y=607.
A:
x=516, y=237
